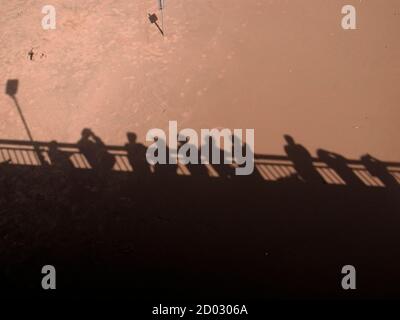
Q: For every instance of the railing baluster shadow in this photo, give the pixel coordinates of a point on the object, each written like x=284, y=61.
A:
x=271, y=168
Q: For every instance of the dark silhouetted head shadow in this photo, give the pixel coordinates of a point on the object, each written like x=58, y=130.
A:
x=302, y=161
x=95, y=151
x=340, y=164
x=378, y=169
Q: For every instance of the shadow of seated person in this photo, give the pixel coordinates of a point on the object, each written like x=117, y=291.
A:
x=95, y=151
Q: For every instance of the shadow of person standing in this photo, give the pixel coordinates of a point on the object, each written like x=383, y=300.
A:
x=63, y=173
x=137, y=157
x=95, y=151
x=302, y=161
x=378, y=169
x=340, y=164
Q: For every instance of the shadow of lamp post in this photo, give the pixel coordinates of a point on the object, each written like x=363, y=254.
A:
x=11, y=90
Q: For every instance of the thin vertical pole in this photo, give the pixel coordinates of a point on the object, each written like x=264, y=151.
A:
x=35, y=146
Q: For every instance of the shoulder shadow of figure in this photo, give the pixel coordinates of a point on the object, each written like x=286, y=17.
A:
x=95, y=151
x=302, y=161
x=378, y=169
x=340, y=164
x=137, y=156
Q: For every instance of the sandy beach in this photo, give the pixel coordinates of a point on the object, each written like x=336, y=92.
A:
x=279, y=67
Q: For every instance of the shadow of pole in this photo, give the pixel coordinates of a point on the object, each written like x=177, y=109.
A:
x=11, y=90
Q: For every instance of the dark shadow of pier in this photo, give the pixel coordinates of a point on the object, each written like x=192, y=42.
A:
x=114, y=227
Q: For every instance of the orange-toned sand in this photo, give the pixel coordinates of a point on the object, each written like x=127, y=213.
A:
x=277, y=66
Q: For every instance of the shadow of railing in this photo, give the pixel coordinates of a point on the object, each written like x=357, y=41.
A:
x=272, y=168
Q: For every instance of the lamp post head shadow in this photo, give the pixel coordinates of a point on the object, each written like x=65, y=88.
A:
x=12, y=88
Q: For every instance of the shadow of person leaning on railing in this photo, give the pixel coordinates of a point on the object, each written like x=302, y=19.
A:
x=247, y=154
x=136, y=153
x=219, y=159
x=193, y=152
x=378, y=169
x=165, y=169
x=95, y=151
x=340, y=164
x=59, y=159
x=302, y=161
